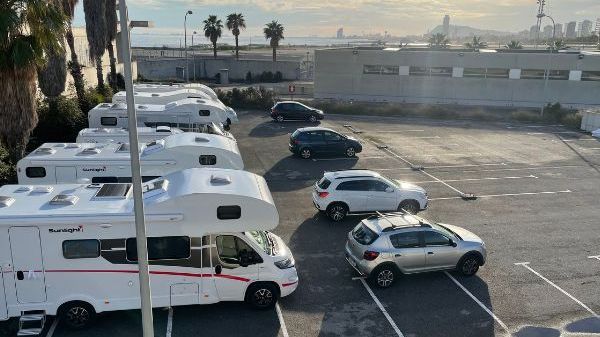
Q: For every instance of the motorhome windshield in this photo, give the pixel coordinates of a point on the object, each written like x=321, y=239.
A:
x=263, y=240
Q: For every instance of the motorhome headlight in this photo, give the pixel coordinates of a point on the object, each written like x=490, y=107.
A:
x=285, y=264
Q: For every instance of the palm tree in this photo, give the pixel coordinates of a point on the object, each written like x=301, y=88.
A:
x=213, y=28
x=111, y=35
x=52, y=77
x=514, y=44
x=29, y=31
x=235, y=22
x=274, y=32
x=73, y=65
x=438, y=40
x=476, y=43
x=557, y=45
x=95, y=29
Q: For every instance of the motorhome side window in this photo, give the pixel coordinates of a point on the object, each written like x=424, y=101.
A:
x=108, y=121
x=35, y=172
x=229, y=212
x=105, y=180
x=204, y=112
x=208, y=159
x=81, y=249
x=161, y=248
x=229, y=248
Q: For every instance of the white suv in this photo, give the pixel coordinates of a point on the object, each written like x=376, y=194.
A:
x=362, y=191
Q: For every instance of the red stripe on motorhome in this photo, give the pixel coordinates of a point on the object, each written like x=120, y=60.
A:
x=153, y=272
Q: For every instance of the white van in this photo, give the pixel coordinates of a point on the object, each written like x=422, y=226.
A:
x=60, y=163
x=121, y=135
x=70, y=250
x=187, y=114
x=150, y=87
x=144, y=97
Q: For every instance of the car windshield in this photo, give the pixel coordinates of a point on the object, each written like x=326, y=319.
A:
x=263, y=240
x=446, y=231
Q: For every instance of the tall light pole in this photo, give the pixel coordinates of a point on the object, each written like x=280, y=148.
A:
x=136, y=179
x=185, y=43
x=541, y=4
x=540, y=16
x=193, y=58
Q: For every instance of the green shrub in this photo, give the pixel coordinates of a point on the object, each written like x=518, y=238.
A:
x=526, y=116
x=249, y=98
x=58, y=122
x=8, y=173
x=266, y=76
x=572, y=120
x=278, y=76
x=92, y=98
x=248, y=77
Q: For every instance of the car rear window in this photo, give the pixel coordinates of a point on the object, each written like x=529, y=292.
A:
x=295, y=134
x=364, y=235
x=324, y=183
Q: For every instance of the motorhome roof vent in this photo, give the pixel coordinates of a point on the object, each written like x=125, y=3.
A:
x=101, y=130
x=155, y=95
x=113, y=191
x=153, y=146
x=155, y=187
x=89, y=151
x=72, y=146
x=202, y=140
x=170, y=105
x=220, y=180
x=105, y=105
x=6, y=201
x=22, y=189
x=124, y=147
x=163, y=128
x=64, y=199
x=42, y=189
x=142, y=107
x=119, y=106
x=44, y=151
x=60, y=145
x=200, y=101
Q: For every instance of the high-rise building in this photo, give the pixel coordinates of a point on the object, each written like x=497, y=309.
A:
x=533, y=31
x=340, y=33
x=548, y=31
x=447, y=25
x=571, y=31
x=586, y=28
x=558, y=30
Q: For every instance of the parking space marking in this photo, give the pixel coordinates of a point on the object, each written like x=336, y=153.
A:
x=170, y=322
x=483, y=306
x=281, y=321
x=597, y=257
x=476, y=179
x=579, y=140
x=444, y=166
x=532, y=126
x=475, y=154
x=506, y=195
x=399, y=131
x=526, y=265
x=52, y=328
x=525, y=168
x=552, y=132
x=352, y=158
x=385, y=313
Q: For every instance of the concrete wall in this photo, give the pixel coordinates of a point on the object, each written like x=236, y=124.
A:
x=339, y=75
x=166, y=69
x=591, y=120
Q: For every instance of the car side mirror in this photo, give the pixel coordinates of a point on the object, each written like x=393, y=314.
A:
x=389, y=190
x=453, y=244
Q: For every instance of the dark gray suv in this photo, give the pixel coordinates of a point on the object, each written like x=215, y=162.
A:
x=307, y=142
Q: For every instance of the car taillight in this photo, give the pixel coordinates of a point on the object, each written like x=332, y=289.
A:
x=296, y=141
x=370, y=255
x=323, y=194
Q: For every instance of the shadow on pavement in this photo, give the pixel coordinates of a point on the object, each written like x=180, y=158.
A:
x=273, y=129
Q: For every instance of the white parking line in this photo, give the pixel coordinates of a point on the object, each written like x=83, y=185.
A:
x=425, y=137
x=552, y=132
x=52, y=328
x=170, y=322
x=385, y=313
x=525, y=168
x=443, y=166
x=475, y=179
x=597, y=257
x=483, y=306
x=532, y=126
x=281, y=321
x=399, y=131
x=474, y=154
x=579, y=140
x=506, y=195
x=526, y=265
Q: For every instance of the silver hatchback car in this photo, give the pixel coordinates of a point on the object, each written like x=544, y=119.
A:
x=385, y=246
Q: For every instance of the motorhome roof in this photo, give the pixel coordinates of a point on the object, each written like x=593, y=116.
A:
x=140, y=93
x=123, y=131
x=170, y=107
x=27, y=202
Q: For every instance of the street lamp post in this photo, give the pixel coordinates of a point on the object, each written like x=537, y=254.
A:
x=540, y=16
x=185, y=43
x=193, y=58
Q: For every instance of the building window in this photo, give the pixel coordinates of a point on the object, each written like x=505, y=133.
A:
x=474, y=72
x=381, y=69
x=532, y=74
x=35, y=172
x=229, y=212
x=204, y=113
x=371, y=69
x=441, y=71
x=161, y=248
x=108, y=121
x=590, y=75
x=208, y=159
x=390, y=70
x=81, y=249
x=497, y=73
x=558, y=75
x=418, y=71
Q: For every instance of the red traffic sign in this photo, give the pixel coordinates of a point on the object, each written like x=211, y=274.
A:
x=292, y=88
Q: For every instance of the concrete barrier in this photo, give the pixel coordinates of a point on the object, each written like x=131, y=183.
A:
x=590, y=120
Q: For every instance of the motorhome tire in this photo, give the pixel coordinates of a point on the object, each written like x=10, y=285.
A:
x=262, y=296
x=77, y=315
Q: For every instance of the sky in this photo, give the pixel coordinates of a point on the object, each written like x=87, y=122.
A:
x=324, y=17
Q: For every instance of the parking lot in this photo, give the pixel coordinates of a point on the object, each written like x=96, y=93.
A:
x=535, y=197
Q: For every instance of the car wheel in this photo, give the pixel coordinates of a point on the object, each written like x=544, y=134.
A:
x=383, y=276
x=262, y=296
x=279, y=118
x=410, y=206
x=305, y=153
x=350, y=152
x=337, y=212
x=77, y=315
x=469, y=265
x=312, y=119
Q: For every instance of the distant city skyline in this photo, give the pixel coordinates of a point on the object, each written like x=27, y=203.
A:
x=318, y=18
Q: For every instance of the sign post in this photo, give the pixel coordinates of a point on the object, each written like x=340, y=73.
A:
x=292, y=90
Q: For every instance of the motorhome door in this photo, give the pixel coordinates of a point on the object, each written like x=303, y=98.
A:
x=28, y=265
x=66, y=174
x=230, y=278
x=3, y=310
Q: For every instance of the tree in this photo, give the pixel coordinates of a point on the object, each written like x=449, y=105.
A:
x=476, y=43
x=213, y=28
x=111, y=35
x=95, y=29
x=557, y=45
x=52, y=77
x=513, y=44
x=73, y=65
x=438, y=40
x=235, y=22
x=274, y=32
x=29, y=31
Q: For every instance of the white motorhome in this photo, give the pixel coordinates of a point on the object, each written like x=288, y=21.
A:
x=144, y=97
x=121, y=135
x=70, y=250
x=60, y=163
x=186, y=114
x=150, y=87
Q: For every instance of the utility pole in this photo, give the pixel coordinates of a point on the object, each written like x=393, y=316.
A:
x=185, y=44
x=542, y=4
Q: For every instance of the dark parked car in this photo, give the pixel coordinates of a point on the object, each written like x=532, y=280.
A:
x=290, y=110
x=307, y=142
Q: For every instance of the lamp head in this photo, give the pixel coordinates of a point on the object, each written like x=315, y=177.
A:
x=189, y=12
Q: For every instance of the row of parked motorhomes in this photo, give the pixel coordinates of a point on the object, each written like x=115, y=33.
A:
x=67, y=230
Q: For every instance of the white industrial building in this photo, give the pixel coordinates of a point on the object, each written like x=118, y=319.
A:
x=524, y=78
